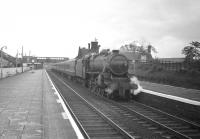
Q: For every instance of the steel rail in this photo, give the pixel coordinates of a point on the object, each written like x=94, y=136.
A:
x=86, y=136
x=159, y=124
x=180, y=135
x=172, y=116
x=114, y=125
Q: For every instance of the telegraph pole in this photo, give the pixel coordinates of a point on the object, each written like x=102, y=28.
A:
x=22, y=58
x=29, y=59
x=16, y=61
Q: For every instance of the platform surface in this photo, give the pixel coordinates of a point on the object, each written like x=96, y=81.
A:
x=191, y=94
x=29, y=110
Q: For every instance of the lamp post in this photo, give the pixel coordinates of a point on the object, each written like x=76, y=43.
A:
x=2, y=59
x=22, y=59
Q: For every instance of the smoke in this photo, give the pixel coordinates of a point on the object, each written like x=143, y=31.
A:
x=111, y=88
x=135, y=81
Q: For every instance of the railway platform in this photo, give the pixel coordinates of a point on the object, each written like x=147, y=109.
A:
x=177, y=101
x=184, y=94
x=31, y=109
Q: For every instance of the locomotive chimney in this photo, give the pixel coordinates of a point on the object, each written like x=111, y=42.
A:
x=115, y=52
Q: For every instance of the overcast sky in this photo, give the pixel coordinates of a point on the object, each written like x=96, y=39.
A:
x=59, y=27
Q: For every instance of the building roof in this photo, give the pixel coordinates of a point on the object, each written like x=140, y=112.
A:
x=82, y=52
x=131, y=55
x=93, y=47
x=135, y=55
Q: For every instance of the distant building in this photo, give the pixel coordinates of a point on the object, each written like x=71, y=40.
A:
x=82, y=52
x=6, y=63
x=33, y=59
x=136, y=56
x=93, y=47
x=7, y=60
x=37, y=62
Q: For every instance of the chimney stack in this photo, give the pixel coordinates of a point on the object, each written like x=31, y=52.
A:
x=149, y=49
x=115, y=52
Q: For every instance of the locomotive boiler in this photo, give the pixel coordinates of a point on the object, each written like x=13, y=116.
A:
x=115, y=62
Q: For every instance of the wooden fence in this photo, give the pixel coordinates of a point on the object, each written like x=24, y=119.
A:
x=169, y=65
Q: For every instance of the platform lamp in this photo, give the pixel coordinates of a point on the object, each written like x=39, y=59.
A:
x=2, y=59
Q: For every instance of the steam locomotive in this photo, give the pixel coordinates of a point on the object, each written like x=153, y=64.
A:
x=104, y=73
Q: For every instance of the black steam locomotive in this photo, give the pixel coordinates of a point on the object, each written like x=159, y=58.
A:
x=104, y=73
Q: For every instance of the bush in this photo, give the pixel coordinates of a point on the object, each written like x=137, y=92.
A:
x=184, y=78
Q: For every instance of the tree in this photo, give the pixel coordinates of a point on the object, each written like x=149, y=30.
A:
x=152, y=48
x=192, y=52
x=139, y=47
x=129, y=47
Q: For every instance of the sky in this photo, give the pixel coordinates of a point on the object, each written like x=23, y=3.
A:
x=58, y=27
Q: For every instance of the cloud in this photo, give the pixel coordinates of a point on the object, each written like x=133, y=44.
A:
x=164, y=23
x=169, y=46
x=61, y=26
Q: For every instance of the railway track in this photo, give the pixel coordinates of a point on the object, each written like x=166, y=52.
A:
x=133, y=119
x=167, y=125
x=158, y=122
x=92, y=122
x=179, y=126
